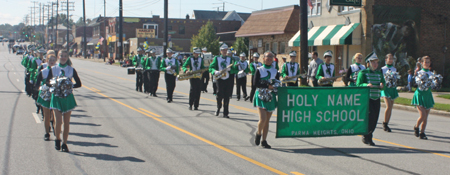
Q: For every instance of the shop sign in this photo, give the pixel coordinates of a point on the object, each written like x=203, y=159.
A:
x=346, y=2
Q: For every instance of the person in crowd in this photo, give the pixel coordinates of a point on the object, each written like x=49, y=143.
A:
x=312, y=69
x=410, y=80
x=352, y=72
x=171, y=67
x=423, y=100
x=374, y=79
x=265, y=108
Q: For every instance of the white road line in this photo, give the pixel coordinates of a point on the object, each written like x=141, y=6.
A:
x=36, y=117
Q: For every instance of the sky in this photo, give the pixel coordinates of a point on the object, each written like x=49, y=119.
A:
x=14, y=11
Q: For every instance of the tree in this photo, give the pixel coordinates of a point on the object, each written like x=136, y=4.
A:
x=79, y=22
x=241, y=45
x=62, y=19
x=206, y=38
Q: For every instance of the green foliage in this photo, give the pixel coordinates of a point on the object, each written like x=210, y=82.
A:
x=206, y=38
x=62, y=19
x=407, y=102
x=241, y=45
x=446, y=96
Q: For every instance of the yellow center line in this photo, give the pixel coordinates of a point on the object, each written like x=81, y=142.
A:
x=193, y=135
x=297, y=173
x=255, y=111
x=150, y=112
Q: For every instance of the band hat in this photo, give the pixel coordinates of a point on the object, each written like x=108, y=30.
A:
x=205, y=49
x=293, y=54
x=223, y=46
x=256, y=54
x=196, y=50
x=152, y=51
x=371, y=56
x=169, y=50
x=229, y=51
x=41, y=50
x=328, y=53
x=147, y=51
x=243, y=54
x=139, y=49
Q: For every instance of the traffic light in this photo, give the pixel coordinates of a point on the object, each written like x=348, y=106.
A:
x=23, y=33
x=26, y=36
x=34, y=36
x=15, y=32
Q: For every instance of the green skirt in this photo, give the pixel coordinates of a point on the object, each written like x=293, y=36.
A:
x=423, y=98
x=391, y=93
x=64, y=105
x=270, y=106
x=42, y=102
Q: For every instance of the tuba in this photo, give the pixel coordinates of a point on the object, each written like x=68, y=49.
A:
x=328, y=81
x=193, y=74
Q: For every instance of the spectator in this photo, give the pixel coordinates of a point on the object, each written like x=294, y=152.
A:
x=410, y=80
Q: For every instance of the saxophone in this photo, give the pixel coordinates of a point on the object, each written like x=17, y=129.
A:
x=328, y=81
x=222, y=73
x=293, y=79
x=193, y=74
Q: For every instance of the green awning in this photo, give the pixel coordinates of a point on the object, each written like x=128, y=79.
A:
x=330, y=35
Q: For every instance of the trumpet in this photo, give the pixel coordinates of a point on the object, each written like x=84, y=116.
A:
x=172, y=70
x=328, y=81
x=193, y=74
x=222, y=73
x=293, y=79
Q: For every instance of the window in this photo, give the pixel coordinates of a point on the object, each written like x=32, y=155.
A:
x=181, y=29
x=267, y=48
x=250, y=44
x=259, y=42
x=275, y=47
x=347, y=8
x=169, y=28
x=152, y=26
x=316, y=8
x=282, y=48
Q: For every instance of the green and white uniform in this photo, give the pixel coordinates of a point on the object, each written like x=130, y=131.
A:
x=352, y=71
x=265, y=73
x=44, y=75
x=64, y=104
x=423, y=98
x=375, y=78
x=325, y=70
x=392, y=92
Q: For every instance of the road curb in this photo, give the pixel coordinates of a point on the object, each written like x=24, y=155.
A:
x=412, y=108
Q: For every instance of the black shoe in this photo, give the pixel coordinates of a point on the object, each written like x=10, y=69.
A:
x=150, y=94
x=137, y=89
x=226, y=116
x=257, y=139
x=365, y=141
x=238, y=99
x=265, y=145
x=217, y=112
x=196, y=108
x=58, y=144
x=154, y=95
x=423, y=136
x=168, y=101
x=371, y=142
x=47, y=137
x=386, y=127
x=206, y=91
x=416, y=131
x=246, y=98
x=190, y=108
x=64, y=148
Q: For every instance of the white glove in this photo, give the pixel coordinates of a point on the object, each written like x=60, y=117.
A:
x=169, y=67
x=31, y=81
x=217, y=73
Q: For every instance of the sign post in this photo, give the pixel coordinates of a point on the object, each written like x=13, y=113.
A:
x=320, y=112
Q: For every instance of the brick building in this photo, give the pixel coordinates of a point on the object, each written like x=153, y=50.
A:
x=271, y=29
x=180, y=32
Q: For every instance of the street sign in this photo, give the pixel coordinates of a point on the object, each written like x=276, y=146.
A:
x=145, y=33
x=346, y=2
x=319, y=112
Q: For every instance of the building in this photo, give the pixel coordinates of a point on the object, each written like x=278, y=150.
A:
x=180, y=32
x=271, y=29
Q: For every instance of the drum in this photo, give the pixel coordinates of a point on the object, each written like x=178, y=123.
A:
x=139, y=70
x=131, y=70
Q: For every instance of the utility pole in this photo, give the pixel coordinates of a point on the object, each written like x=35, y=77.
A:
x=39, y=14
x=303, y=38
x=104, y=29
x=68, y=25
x=166, y=16
x=53, y=21
x=56, y=27
x=69, y=6
x=84, y=29
x=120, y=44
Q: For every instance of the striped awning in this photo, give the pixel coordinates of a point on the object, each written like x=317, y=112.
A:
x=330, y=35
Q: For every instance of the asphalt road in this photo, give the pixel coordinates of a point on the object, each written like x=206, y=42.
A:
x=116, y=130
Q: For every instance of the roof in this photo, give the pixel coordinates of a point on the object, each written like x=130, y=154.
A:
x=215, y=15
x=275, y=21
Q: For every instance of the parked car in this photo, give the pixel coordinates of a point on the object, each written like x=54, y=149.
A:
x=20, y=51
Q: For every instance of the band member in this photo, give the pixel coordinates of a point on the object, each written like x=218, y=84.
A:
x=265, y=109
x=374, y=79
x=171, y=67
x=27, y=64
x=205, y=76
x=291, y=69
x=220, y=67
x=354, y=68
x=152, y=64
x=146, y=73
x=194, y=63
x=43, y=78
x=33, y=69
x=389, y=94
x=326, y=70
x=138, y=61
x=63, y=106
x=253, y=66
x=241, y=81
x=423, y=100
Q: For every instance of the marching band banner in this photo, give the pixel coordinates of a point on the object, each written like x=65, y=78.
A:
x=320, y=112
